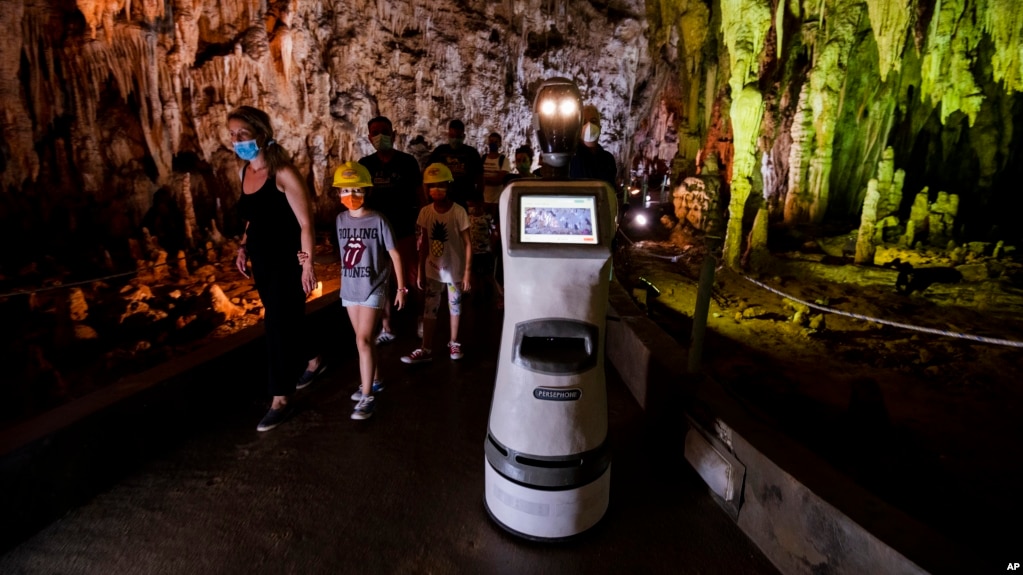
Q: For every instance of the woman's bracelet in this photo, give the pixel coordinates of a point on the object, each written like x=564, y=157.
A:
x=403, y=290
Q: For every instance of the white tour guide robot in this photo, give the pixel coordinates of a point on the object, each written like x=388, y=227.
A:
x=547, y=459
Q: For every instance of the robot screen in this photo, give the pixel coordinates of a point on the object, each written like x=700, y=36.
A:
x=558, y=219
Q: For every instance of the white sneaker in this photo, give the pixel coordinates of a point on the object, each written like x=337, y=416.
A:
x=364, y=410
x=377, y=387
x=385, y=337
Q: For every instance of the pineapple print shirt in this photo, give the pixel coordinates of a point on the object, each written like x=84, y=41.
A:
x=365, y=263
x=445, y=258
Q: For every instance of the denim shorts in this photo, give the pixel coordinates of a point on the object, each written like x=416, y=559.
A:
x=375, y=301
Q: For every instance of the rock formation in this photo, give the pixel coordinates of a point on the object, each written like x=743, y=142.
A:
x=107, y=102
x=114, y=151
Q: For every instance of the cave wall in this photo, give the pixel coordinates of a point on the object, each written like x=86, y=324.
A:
x=105, y=102
x=841, y=80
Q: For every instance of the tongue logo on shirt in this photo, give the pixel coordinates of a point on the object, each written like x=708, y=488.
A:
x=353, y=252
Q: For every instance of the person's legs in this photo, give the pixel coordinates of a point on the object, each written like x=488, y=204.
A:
x=434, y=289
x=497, y=288
x=454, y=311
x=479, y=279
x=364, y=321
x=387, y=311
x=280, y=289
x=485, y=280
x=284, y=318
x=408, y=252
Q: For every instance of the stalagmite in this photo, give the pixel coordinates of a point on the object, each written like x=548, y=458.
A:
x=865, y=246
x=222, y=304
x=214, y=233
x=879, y=219
x=941, y=220
x=159, y=266
x=218, y=221
x=78, y=307
x=697, y=201
x=747, y=112
x=759, y=254
x=188, y=209
x=182, y=266
x=797, y=200
x=744, y=25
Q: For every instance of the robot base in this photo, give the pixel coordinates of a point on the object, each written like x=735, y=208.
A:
x=541, y=514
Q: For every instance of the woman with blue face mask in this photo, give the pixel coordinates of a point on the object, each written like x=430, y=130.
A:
x=279, y=223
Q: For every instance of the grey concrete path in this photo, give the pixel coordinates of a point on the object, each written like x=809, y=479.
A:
x=197, y=490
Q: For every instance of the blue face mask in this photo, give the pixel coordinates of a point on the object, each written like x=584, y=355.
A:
x=493, y=147
x=247, y=150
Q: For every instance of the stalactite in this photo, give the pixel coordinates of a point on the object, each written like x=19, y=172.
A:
x=890, y=20
x=827, y=80
x=336, y=64
x=1003, y=21
x=744, y=25
x=947, y=75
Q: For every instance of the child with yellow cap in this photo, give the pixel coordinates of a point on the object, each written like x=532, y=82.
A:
x=368, y=252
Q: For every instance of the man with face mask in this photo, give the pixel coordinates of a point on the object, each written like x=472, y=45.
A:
x=397, y=184
x=592, y=161
x=465, y=164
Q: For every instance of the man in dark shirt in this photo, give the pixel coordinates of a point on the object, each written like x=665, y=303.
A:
x=591, y=161
x=397, y=194
x=465, y=164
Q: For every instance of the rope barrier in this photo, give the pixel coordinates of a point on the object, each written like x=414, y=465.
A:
x=825, y=309
x=63, y=285
x=943, y=332
x=93, y=280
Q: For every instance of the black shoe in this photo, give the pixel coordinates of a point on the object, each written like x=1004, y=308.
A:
x=307, y=377
x=273, y=418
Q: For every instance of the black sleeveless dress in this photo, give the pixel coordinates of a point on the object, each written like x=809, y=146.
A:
x=273, y=239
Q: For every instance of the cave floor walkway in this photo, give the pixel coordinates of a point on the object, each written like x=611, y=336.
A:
x=180, y=481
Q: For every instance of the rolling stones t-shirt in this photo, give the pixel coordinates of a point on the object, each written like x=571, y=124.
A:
x=365, y=263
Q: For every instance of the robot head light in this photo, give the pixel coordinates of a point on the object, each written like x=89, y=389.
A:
x=556, y=118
